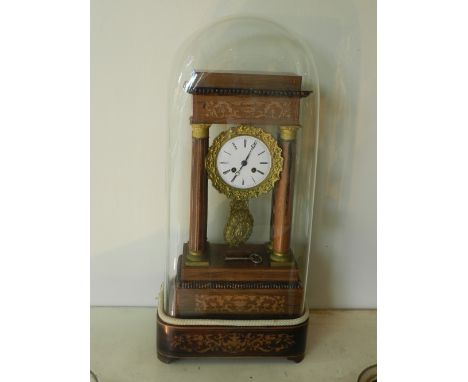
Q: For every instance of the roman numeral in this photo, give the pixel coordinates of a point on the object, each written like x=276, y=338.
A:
x=261, y=153
x=234, y=145
x=227, y=152
x=225, y=172
x=245, y=143
x=260, y=162
x=261, y=172
x=254, y=180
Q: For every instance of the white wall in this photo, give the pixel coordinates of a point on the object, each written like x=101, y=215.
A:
x=133, y=44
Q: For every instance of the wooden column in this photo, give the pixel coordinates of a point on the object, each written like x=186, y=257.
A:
x=283, y=199
x=272, y=216
x=272, y=220
x=198, y=197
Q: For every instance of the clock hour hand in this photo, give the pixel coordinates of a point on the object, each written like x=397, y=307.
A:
x=238, y=171
x=243, y=163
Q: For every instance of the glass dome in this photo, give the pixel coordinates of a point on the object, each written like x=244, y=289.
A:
x=240, y=220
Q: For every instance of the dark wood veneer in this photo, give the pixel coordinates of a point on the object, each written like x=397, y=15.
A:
x=190, y=341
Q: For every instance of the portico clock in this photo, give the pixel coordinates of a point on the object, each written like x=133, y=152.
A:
x=234, y=279
x=243, y=115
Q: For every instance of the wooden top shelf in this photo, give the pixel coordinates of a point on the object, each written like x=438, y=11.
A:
x=244, y=81
x=257, y=99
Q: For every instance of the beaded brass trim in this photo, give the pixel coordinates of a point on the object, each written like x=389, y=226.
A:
x=223, y=284
x=199, y=90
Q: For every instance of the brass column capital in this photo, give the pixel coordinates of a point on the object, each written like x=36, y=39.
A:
x=288, y=133
x=200, y=130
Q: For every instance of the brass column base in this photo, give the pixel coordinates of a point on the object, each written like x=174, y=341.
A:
x=281, y=259
x=197, y=259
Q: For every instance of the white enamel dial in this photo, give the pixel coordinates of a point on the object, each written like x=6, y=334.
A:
x=243, y=162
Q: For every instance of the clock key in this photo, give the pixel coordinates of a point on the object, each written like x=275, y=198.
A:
x=253, y=257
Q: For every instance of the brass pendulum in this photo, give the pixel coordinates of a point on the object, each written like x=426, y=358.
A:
x=239, y=224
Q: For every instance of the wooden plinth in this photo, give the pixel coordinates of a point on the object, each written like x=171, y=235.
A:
x=237, y=289
x=192, y=341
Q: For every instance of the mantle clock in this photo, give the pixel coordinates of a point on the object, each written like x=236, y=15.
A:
x=234, y=297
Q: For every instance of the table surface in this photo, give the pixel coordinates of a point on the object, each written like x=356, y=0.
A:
x=340, y=344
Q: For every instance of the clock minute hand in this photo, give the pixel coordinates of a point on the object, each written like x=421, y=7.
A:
x=250, y=152
x=244, y=162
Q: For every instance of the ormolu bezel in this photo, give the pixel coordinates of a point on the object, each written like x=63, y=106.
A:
x=262, y=188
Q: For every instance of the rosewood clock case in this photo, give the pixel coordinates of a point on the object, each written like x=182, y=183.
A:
x=208, y=285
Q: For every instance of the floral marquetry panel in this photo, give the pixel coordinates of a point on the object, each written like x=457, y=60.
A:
x=235, y=303
x=239, y=299
x=233, y=342
x=241, y=109
x=194, y=341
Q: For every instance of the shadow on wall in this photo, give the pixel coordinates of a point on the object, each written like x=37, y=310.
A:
x=129, y=275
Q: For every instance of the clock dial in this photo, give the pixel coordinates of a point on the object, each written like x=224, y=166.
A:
x=243, y=162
